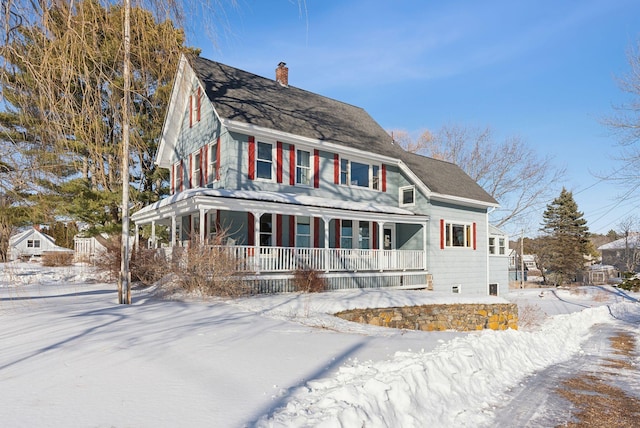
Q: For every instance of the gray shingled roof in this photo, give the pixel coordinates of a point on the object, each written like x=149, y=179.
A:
x=245, y=97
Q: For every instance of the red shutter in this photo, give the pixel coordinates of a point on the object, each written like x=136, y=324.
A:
x=172, y=178
x=252, y=158
x=292, y=231
x=218, y=159
x=337, y=232
x=384, y=177
x=250, y=229
x=206, y=226
x=292, y=164
x=316, y=232
x=442, y=234
x=316, y=168
x=279, y=162
x=336, y=169
x=374, y=225
x=190, y=111
x=474, y=236
x=198, y=103
x=190, y=171
x=218, y=224
x=278, y=230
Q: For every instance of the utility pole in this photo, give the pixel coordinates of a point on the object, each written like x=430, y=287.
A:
x=522, y=259
x=124, y=279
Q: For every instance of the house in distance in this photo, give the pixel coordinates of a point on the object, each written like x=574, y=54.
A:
x=297, y=179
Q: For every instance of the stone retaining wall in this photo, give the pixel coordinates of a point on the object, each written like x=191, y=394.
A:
x=459, y=317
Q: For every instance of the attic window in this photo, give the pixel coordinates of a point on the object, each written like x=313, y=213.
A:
x=33, y=243
x=407, y=196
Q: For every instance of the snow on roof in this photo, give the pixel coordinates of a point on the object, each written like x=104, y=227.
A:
x=285, y=198
x=633, y=241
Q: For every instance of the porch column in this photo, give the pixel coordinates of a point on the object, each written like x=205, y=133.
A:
x=381, y=245
x=172, y=239
x=256, y=239
x=325, y=258
x=153, y=233
x=424, y=246
x=136, y=237
x=202, y=226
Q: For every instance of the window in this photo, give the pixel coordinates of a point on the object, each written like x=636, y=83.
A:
x=33, y=243
x=407, y=196
x=303, y=232
x=264, y=161
x=497, y=246
x=266, y=230
x=364, y=236
x=195, y=104
x=458, y=235
x=213, y=163
x=359, y=174
x=346, y=234
x=177, y=176
x=303, y=168
x=344, y=171
x=196, y=170
x=375, y=179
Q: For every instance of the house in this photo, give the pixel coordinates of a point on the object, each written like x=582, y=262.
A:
x=623, y=253
x=32, y=243
x=298, y=179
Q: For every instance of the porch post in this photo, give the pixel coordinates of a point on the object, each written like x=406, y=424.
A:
x=202, y=226
x=136, y=237
x=172, y=239
x=256, y=239
x=424, y=245
x=380, y=245
x=153, y=233
x=325, y=259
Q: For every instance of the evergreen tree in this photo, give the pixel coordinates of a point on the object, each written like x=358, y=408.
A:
x=566, y=237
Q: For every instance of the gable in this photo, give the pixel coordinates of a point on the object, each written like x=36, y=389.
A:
x=29, y=234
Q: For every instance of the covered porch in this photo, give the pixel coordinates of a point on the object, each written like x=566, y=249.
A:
x=271, y=233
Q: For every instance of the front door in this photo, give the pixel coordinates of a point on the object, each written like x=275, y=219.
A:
x=388, y=238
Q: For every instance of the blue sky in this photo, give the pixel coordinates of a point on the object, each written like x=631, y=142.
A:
x=543, y=70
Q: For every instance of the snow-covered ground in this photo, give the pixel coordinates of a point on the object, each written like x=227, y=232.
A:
x=71, y=356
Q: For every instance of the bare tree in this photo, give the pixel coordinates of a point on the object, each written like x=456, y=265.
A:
x=624, y=123
x=512, y=172
x=628, y=230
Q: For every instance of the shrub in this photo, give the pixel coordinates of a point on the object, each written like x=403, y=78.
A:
x=308, y=280
x=108, y=260
x=147, y=266
x=630, y=284
x=57, y=258
x=210, y=269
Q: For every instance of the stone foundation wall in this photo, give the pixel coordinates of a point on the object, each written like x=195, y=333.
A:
x=459, y=317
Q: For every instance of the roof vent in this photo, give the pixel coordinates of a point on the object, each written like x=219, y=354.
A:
x=282, y=74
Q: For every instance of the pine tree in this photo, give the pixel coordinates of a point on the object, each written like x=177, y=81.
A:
x=566, y=237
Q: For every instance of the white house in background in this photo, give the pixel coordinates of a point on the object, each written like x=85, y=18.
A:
x=32, y=243
x=297, y=179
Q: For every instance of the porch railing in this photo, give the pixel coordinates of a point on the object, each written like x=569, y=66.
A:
x=286, y=259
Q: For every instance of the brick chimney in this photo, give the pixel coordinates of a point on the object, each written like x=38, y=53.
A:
x=282, y=74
